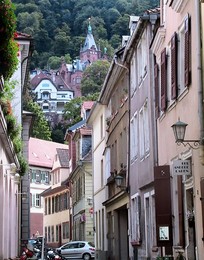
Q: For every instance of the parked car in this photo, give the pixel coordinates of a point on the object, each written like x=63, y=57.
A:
x=77, y=249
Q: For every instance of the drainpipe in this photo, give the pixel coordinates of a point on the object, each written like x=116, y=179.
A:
x=199, y=73
x=199, y=82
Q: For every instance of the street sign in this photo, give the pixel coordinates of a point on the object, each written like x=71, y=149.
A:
x=181, y=167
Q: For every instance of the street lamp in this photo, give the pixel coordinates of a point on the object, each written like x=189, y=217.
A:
x=179, y=129
x=118, y=181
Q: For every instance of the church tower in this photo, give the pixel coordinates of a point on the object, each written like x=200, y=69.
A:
x=89, y=52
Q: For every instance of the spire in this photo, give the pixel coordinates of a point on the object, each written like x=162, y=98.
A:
x=89, y=42
x=89, y=27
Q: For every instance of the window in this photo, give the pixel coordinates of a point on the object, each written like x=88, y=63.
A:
x=180, y=63
x=139, y=67
x=134, y=137
x=45, y=95
x=146, y=128
x=49, y=235
x=133, y=84
x=144, y=131
x=135, y=218
x=78, y=80
x=49, y=205
x=36, y=200
x=53, y=205
x=53, y=234
x=141, y=59
x=102, y=182
x=46, y=234
x=150, y=223
x=65, y=227
x=141, y=133
x=45, y=177
x=163, y=80
x=45, y=85
x=45, y=206
x=57, y=233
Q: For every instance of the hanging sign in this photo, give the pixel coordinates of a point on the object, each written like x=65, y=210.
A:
x=181, y=167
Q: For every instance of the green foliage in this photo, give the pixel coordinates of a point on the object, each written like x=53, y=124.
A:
x=40, y=128
x=13, y=129
x=23, y=164
x=72, y=110
x=93, y=77
x=54, y=62
x=60, y=27
x=58, y=134
x=8, y=47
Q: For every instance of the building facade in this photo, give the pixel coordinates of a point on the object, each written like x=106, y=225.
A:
x=177, y=50
x=41, y=159
x=96, y=119
x=57, y=222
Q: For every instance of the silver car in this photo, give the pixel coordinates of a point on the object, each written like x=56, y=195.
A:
x=77, y=250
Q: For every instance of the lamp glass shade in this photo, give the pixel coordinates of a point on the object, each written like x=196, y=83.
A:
x=179, y=129
x=118, y=180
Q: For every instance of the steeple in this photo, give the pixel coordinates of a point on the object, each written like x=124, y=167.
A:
x=89, y=42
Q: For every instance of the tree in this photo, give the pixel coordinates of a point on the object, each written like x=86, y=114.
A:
x=93, y=77
x=40, y=128
x=121, y=25
x=54, y=62
x=72, y=109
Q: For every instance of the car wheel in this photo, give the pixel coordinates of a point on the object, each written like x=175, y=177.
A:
x=86, y=257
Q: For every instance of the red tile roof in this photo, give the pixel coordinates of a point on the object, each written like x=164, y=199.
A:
x=87, y=105
x=42, y=153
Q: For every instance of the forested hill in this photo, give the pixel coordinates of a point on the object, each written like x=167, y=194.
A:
x=59, y=26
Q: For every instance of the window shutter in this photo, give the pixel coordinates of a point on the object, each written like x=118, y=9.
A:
x=174, y=66
x=156, y=86
x=163, y=80
x=163, y=204
x=187, y=52
x=202, y=202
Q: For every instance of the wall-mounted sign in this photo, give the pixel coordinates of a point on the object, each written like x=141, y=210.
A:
x=164, y=233
x=181, y=167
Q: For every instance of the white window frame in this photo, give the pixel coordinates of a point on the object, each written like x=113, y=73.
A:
x=135, y=218
x=152, y=225
x=144, y=137
x=36, y=202
x=134, y=137
x=181, y=58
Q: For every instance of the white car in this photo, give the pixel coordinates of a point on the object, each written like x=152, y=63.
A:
x=77, y=250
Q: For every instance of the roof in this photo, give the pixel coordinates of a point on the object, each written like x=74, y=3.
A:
x=89, y=42
x=42, y=152
x=77, y=125
x=51, y=191
x=53, y=77
x=63, y=155
x=87, y=105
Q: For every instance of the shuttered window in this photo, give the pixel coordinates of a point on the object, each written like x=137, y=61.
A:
x=174, y=66
x=187, y=75
x=156, y=86
x=163, y=80
x=163, y=204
